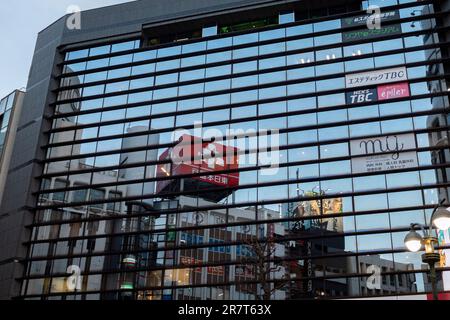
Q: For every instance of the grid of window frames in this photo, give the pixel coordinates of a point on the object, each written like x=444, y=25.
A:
x=109, y=225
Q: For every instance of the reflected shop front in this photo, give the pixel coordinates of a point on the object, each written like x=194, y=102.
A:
x=274, y=154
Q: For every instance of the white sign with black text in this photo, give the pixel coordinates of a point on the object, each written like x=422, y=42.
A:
x=383, y=153
x=376, y=77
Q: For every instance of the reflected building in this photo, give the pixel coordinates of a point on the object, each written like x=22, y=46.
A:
x=389, y=284
x=245, y=236
x=238, y=273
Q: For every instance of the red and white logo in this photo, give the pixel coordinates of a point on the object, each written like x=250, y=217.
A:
x=191, y=156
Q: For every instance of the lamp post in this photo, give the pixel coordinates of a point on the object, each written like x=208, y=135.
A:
x=440, y=218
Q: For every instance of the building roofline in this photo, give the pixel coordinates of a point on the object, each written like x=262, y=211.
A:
x=87, y=10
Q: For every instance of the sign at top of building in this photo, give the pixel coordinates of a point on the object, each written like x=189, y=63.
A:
x=369, y=32
x=364, y=34
x=375, y=77
x=380, y=93
x=362, y=19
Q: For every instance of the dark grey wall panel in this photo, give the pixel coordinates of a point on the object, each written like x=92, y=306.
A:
x=15, y=210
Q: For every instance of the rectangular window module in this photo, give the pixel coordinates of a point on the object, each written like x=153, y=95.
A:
x=286, y=17
x=209, y=31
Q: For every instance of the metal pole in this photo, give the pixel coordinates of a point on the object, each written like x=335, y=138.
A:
x=430, y=226
x=433, y=280
x=433, y=258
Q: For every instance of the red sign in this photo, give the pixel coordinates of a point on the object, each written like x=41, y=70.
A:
x=218, y=271
x=393, y=91
x=441, y=296
x=191, y=155
x=189, y=261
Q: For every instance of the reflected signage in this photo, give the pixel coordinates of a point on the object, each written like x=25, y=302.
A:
x=200, y=157
x=444, y=240
x=320, y=208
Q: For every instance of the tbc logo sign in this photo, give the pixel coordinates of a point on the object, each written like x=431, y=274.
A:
x=361, y=96
x=380, y=93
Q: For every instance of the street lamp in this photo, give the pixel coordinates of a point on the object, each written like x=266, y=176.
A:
x=440, y=219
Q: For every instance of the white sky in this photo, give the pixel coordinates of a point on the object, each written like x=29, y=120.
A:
x=20, y=22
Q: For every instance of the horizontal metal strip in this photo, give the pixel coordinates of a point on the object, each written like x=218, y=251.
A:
x=65, y=295
x=322, y=235
x=97, y=218
x=309, y=21
x=264, y=133
x=231, y=106
x=61, y=295
x=249, y=204
x=247, y=45
x=257, y=72
x=245, y=261
x=260, y=86
x=234, y=121
x=220, y=36
x=277, y=240
x=230, y=262
x=278, y=201
x=247, y=169
x=291, y=237
x=164, y=22
x=281, y=148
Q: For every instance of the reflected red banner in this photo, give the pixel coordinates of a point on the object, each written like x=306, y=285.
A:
x=191, y=155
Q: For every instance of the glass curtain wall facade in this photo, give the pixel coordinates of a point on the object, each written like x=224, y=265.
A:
x=357, y=124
